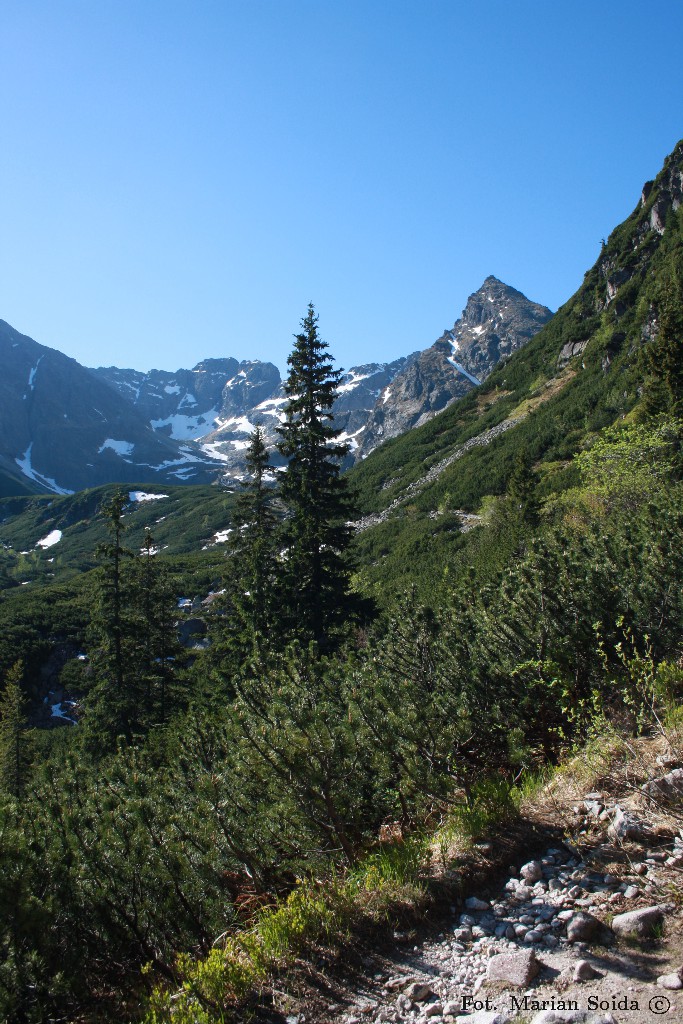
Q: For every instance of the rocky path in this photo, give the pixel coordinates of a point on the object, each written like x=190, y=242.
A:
x=568, y=939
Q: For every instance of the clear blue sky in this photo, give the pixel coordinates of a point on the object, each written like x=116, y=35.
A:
x=180, y=177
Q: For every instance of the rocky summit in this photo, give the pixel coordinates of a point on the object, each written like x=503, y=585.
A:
x=496, y=321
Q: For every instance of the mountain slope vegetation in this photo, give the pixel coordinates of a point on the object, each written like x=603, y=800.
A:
x=217, y=813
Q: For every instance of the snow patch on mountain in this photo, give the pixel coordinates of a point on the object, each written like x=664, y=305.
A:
x=238, y=424
x=32, y=375
x=121, y=448
x=145, y=496
x=352, y=381
x=24, y=464
x=188, y=428
x=50, y=540
x=213, y=450
x=461, y=369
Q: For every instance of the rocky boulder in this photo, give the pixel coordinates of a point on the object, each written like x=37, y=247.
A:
x=640, y=924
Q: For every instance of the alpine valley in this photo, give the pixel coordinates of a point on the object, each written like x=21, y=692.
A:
x=267, y=739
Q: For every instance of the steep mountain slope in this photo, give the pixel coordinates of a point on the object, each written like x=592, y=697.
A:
x=65, y=429
x=496, y=321
x=189, y=404
x=580, y=373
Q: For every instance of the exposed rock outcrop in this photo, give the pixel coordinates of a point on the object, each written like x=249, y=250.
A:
x=496, y=321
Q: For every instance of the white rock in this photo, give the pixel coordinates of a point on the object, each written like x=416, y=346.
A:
x=670, y=981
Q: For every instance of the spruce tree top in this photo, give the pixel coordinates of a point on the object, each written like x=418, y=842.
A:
x=311, y=388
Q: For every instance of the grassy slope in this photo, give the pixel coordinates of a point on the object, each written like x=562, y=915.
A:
x=182, y=523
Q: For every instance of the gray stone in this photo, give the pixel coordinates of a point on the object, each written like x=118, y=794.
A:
x=639, y=923
x=473, y=903
x=670, y=981
x=398, y=982
x=584, y=971
x=513, y=968
x=433, y=1010
x=627, y=826
x=419, y=992
x=583, y=927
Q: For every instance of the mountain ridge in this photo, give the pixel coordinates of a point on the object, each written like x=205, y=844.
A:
x=64, y=427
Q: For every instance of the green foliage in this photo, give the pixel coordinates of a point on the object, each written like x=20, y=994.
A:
x=14, y=743
x=318, y=506
x=253, y=612
x=626, y=463
x=238, y=822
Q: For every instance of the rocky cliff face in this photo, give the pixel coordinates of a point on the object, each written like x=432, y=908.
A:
x=217, y=404
x=496, y=321
x=64, y=429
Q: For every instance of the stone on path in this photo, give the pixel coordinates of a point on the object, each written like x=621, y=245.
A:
x=583, y=927
x=639, y=923
x=670, y=981
x=532, y=872
x=419, y=992
x=514, y=968
x=584, y=971
x=473, y=903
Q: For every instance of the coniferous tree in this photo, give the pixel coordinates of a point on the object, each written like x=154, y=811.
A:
x=14, y=755
x=112, y=704
x=155, y=643
x=521, y=490
x=318, y=505
x=663, y=392
x=253, y=563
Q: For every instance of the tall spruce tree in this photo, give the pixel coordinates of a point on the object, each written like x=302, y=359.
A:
x=317, y=600
x=253, y=563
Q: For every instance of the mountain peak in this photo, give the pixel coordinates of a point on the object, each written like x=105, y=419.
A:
x=496, y=321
